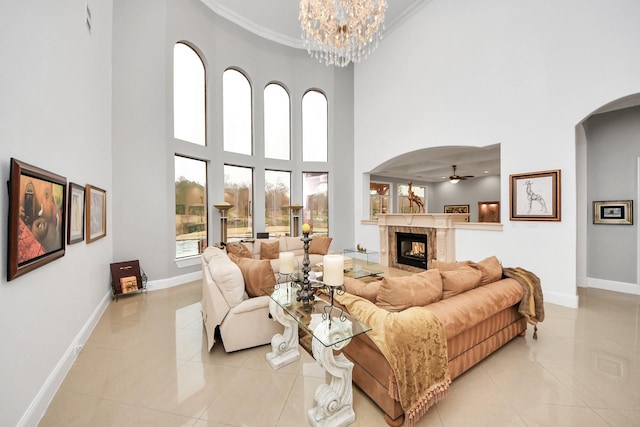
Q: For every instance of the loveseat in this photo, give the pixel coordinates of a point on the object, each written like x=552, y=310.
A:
x=232, y=282
x=479, y=310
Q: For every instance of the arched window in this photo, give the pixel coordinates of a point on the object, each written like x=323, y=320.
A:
x=314, y=127
x=236, y=104
x=189, y=105
x=277, y=119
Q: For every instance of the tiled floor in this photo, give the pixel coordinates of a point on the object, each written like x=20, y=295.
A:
x=146, y=364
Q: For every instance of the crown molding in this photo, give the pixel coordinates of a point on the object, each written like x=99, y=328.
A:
x=252, y=26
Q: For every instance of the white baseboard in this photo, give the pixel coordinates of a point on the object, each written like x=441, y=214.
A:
x=48, y=390
x=610, y=285
x=45, y=395
x=155, y=285
x=570, y=301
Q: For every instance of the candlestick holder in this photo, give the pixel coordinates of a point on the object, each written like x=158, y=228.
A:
x=305, y=293
x=288, y=277
x=285, y=292
x=329, y=309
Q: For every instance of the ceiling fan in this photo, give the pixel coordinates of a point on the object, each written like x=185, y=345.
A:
x=454, y=179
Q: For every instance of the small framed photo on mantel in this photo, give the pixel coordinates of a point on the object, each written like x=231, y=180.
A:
x=613, y=212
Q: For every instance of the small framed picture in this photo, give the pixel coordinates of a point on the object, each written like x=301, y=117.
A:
x=37, y=200
x=613, y=212
x=96, y=213
x=456, y=209
x=75, y=214
x=535, y=196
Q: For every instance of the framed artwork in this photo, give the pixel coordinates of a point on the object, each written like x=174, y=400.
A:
x=96, y=213
x=75, y=214
x=37, y=200
x=535, y=196
x=613, y=212
x=456, y=209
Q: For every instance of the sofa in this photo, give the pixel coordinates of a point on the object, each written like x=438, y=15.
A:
x=478, y=308
x=270, y=249
x=233, y=276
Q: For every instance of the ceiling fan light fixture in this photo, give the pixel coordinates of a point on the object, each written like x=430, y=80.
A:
x=454, y=180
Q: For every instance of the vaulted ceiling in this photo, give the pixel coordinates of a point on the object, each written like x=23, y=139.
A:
x=277, y=20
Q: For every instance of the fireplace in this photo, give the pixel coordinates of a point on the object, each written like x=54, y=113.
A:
x=411, y=249
x=439, y=243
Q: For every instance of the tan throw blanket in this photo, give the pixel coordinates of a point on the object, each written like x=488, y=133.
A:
x=532, y=303
x=414, y=343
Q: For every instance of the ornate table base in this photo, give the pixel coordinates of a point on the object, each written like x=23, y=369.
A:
x=332, y=330
x=334, y=400
x=284, y=346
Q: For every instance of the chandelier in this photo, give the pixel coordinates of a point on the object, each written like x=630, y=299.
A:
x=337, y=32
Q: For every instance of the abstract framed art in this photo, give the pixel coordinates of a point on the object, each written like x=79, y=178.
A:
x=36, y=218
x=535, y=196
x=96, y=213
x=75, y=214
x=456, y=209
x=613, y=212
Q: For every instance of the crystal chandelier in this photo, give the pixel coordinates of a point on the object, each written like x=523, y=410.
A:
x=341, y=31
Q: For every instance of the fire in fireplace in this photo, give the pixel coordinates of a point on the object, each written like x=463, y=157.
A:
x=411, y=249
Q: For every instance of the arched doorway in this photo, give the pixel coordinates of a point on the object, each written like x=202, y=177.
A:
x=608, y=169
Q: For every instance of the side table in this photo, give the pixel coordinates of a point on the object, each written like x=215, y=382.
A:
x=332, y=329
x=369, y=256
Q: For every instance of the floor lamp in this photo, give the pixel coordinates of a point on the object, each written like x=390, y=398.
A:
x=295, y=224
x=223, y=208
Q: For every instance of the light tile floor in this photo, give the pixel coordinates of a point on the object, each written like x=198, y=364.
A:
x=146, y=364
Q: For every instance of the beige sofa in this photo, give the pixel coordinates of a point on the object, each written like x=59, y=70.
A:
x=287, y=244
x=477, y=319
x=243, y=318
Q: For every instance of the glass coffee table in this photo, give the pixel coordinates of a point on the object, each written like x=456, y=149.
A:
x=356, y=271
x=332, y=329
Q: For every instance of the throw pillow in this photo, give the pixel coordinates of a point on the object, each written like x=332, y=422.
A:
x=491, y=270
x=239, y=250
x=447, y=266
x=460, y=280
x=227, y=276
x=257, y=274
x=417, y=290
x=320, y=245
x=367, y=290
x=269, y=250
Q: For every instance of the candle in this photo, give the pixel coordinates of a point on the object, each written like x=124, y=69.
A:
x=286, y=262
x=306, y=228
x=333, y=270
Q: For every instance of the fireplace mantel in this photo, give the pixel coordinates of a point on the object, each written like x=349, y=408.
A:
x=438, y=225
x=432, y=220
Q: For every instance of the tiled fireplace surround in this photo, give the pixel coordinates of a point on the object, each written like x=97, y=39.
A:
x=438, y=227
